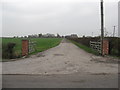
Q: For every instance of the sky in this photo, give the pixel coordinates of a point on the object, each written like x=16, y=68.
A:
x=119, y=19
x=82, y=17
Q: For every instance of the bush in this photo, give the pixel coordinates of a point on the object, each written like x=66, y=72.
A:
x=8, y=51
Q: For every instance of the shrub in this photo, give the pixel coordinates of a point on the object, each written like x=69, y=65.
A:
x=8, y=50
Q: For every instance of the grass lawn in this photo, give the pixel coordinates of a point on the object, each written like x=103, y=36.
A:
x=87, y=49
x=45, y=43
x=41, y=43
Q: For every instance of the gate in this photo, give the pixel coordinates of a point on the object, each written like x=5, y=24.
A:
x=31, y=46
x=28, y=47
x=97, y=46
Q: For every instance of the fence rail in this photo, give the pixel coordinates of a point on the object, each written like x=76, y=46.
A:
x=31, y=46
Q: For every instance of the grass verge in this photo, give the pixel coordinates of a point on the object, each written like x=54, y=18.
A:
x=87, y=49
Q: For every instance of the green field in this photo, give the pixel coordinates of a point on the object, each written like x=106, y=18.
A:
x=41, y=44
x=45, y=43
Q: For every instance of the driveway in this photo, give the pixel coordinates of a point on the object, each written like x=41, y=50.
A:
x=65, y=65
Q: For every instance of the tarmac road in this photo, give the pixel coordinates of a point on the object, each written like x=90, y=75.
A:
x=64, y=66
x=77, y=80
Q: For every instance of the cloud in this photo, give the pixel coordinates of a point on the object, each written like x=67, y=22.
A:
x=30, y=17
x=52, y=1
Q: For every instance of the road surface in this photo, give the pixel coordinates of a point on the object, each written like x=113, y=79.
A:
x=65, y=65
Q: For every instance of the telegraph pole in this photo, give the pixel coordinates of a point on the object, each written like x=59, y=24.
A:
x=102, y=26
x=114, y=31
x=92, y=34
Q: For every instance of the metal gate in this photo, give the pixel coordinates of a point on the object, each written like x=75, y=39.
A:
x=31, y=46
x=97, y=46
x=28, y=46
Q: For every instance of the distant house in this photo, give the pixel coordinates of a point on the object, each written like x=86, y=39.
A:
x=71, y=36
x=48, y=35
x=74, y=36
x=33, y=36
x=68, y=36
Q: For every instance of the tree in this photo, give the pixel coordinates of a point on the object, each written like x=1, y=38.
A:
x=39, y=35
x=58, y=36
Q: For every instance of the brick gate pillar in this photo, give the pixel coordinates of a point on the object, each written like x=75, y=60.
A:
x=25, y=47
x=105, y=47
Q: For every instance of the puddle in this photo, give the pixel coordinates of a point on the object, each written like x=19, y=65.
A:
x=40, y=55
x=100, y=74
x=58, y=54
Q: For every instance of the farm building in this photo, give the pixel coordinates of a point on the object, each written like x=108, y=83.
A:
x=74, y=36
x=71, y=36
x=48, y=35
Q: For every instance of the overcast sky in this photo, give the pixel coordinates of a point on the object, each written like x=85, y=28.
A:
x=25, y=17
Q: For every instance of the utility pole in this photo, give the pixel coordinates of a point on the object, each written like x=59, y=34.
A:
x=92, y=34
x=102, y=26
x=114, y=31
